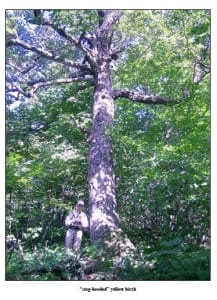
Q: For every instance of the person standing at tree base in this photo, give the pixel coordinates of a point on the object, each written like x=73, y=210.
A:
x=76, y=223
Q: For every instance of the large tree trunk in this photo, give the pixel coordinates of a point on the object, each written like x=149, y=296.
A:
x=104, y=220
x=102, y=200
x=105, y=232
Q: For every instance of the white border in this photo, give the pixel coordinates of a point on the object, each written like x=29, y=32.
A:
x=154, y=290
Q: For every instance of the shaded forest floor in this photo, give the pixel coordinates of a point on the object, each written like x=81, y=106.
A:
x=171, y=261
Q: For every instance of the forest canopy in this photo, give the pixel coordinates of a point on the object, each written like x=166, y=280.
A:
x=111, y=107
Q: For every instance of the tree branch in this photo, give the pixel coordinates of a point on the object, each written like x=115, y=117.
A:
x=61, y=31
x=142, y=98
x=24, y=70
x=40, y=19
x=110, y=17
x=16, y=88
x=46, y=54
x=39, y=84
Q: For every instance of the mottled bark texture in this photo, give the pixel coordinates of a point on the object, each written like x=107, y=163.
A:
x=102, y=200
x=105, y=231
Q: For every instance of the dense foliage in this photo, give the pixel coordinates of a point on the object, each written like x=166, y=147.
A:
x=161, y=153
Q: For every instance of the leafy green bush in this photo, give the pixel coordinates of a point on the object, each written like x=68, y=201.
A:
x=170, y=265
x=42, y=264
x=169, y=260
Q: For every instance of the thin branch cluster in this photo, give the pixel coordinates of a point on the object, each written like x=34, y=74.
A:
x=92, y=45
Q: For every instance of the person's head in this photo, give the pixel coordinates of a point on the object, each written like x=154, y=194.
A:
x=80, y=205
